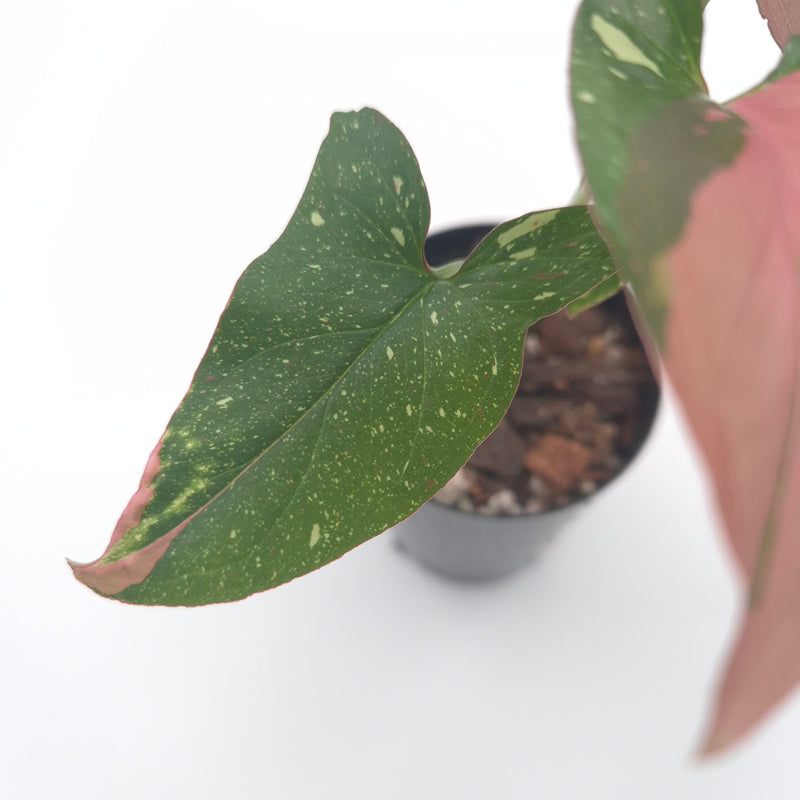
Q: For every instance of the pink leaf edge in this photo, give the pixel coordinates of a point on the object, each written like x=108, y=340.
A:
x=732, y=349
x=783, y=18
x=113, y=577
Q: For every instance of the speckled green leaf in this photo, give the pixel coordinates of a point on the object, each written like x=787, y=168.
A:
x=630, y=60
x=346, y=381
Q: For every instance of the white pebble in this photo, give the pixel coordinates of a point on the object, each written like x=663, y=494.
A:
x=465, y=504
x=537, y=486
x=502, y=502
x=454, y=490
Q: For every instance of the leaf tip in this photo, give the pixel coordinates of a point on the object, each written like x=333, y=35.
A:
x=714, y=742
x=111, y=578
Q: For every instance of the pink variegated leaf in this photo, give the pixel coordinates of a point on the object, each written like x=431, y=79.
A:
x=701, y=206
x=783, y=17
x=732, y=348
x=724, y=301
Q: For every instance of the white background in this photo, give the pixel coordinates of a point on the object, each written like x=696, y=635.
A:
x=150, y=150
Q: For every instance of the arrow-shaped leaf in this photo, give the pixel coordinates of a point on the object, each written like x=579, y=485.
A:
x=346, y=381
x=702, y=204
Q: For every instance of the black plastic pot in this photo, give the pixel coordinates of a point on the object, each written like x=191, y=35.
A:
x=471, y=546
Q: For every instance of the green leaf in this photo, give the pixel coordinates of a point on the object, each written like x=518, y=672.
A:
x=648, y=133
x=630, y=60
x=346, y=381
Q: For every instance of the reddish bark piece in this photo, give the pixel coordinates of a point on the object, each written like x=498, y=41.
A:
x=732, y=349
x=783, y=17
x=561, y=462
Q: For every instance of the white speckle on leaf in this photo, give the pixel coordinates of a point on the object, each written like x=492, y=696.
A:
x=397, y=182
x=586, y=97
x=225, y=400
x=316, y=219
x=544, y=295
x=434, y=318
x=620, y=45
x=441, y=413
x=409, y=410
x=389, y=353
x=233, y=534
x=527, y=225
x=529, y=253
x=315, y=532
x=399, y=236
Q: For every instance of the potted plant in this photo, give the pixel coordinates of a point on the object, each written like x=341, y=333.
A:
x=347, y=381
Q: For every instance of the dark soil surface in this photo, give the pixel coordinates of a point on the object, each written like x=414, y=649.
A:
x=585, y=402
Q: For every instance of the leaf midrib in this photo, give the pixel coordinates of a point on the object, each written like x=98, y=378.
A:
x=393, y=244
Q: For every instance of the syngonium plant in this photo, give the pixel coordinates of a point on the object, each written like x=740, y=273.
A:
x=347, y=380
